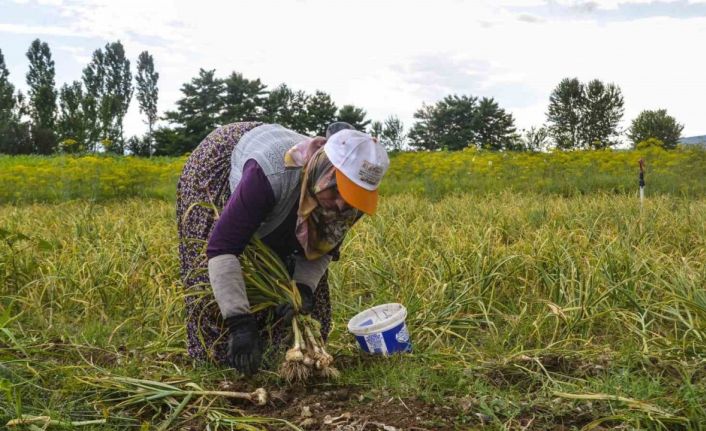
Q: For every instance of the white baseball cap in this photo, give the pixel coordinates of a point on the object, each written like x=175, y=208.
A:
x=360, y=164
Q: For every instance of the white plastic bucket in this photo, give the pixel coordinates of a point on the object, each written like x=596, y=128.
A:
x=381, y=330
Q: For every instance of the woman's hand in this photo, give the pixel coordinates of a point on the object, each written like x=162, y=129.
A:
x=244, y=344
x=285, y=312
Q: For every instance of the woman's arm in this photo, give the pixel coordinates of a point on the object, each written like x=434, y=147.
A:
x=251, y=201
x=247, y=207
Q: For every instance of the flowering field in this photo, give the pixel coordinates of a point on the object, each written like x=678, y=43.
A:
x=60, y=178
x=553, y=309
x=564, y=173
x=433, y=175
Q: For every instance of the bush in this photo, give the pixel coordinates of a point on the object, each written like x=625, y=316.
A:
x=650, y=143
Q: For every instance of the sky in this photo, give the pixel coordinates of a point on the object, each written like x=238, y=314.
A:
x=388, y=56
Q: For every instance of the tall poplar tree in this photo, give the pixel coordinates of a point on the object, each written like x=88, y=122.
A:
x=42, y=97
x=147, y=92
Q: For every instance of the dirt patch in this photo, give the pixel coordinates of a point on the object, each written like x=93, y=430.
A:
x=347, y=408
x=353, y=409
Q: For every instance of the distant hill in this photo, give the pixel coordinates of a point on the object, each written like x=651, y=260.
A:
x=694, y=140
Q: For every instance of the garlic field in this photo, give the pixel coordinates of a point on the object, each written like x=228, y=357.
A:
x=526, y=311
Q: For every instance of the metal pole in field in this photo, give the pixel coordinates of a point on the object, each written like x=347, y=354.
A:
x=642, y=180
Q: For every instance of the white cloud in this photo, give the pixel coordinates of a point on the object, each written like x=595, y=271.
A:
x=37, y=30
x=80, y=54
x=391, y=56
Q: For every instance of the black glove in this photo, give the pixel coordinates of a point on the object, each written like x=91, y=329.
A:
x=307, y=298
x=285, y=312
x=244, y=344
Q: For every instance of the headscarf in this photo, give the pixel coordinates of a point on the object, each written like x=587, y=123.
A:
x=318, y=229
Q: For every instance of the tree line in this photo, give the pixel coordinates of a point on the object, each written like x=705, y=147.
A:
x=209, y=101
x=579, y=116
x=87, y=115
x=81, y=115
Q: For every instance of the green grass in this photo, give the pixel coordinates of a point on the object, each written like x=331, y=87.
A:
x=523, y=308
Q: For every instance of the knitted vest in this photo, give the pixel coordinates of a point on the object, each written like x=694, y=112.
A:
x=267, y=145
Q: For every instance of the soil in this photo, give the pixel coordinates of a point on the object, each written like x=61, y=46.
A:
x=353, y=409
x=343, y=408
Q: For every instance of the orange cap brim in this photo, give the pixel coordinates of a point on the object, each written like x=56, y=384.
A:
x=355, y=195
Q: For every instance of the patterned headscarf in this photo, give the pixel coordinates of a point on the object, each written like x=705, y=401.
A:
x=318, y=229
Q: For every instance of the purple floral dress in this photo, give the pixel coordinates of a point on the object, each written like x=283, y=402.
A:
x=204, y=183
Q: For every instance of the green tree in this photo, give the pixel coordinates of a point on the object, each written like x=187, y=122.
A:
x=147, y=95
x=42, y=97
x=117, y=94
x=7, y=110
x=494, y=128
x=171, y=142
x=276, y=106
x=449, y=124
x=71, y=122
x=14, y=132
x=287, y=107
x=139, y=146
x=602, y=110
x=655, y=124
x=94, y=84
x=455, y=122
x=354, y=116
x=108, y=89
x=393, y=135
x=298, y=114
x=536, y=139
x=21, y=136
x=584, y=115
x=320, y=112
x=243, y=99
x=564, y=113
x=425, y=133
x=198, y=113
x=376, y=129
x=7, y=94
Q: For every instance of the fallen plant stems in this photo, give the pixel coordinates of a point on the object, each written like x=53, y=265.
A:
x=636, y=404
x=137, y=391
x=184, y=400
x=47, y=421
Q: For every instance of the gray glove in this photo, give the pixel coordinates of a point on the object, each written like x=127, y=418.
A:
x=228, y=285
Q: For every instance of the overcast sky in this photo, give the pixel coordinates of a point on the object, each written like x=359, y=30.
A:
x=389, y=56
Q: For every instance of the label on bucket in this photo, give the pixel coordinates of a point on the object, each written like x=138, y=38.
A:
x=375, y=343
x=387, y=342
x=403, y=335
